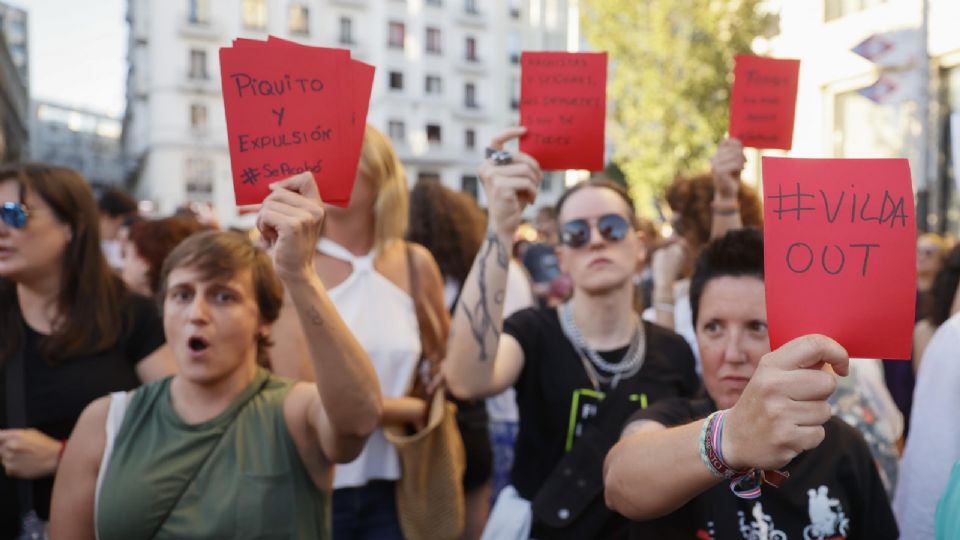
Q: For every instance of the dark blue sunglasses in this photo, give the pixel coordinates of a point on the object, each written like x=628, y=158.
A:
x=576, y=233
x=14, y=214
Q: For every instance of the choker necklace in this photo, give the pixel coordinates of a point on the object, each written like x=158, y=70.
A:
x=628, y=367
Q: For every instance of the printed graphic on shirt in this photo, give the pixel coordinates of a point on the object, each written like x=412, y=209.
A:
x=584, y=406
x=761, y=527
x=827, y=519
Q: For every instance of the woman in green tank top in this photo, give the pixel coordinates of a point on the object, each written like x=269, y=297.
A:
x=225, y=449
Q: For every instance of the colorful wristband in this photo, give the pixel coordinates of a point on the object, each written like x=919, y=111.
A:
x=745, y=484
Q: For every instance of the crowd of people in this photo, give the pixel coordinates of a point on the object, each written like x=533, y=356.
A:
x=163, y=378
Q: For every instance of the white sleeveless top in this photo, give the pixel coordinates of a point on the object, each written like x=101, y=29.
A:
x=382, y=317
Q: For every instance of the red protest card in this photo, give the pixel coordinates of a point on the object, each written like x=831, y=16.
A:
x=840, y=253
x=284, y=116
x=763, y=101
x=563, y=104
x=361, y=79
x=247, y=42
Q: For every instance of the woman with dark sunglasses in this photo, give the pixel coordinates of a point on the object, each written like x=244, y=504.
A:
x=580, y=369
x=69, y=332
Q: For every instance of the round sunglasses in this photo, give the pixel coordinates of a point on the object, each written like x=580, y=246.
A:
x=576, y=233
x=14, y=214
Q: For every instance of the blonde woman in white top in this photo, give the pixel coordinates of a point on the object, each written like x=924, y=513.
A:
x=362, y=261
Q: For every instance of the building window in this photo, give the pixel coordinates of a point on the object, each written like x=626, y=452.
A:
x=514, y=93
x=397, y=31
x=513, y=47
x=346, y=31
x=396, y=80
x=397, y=131
x=514, y=6
x=198, y=11
x=433, y=134
x=254, y=14
x=470, y=6
x=198, y=116
x=199, y=176
x=470, y=96
x=945, y=201
x=198, y=64
x=299, y=19
x=835, y=9
x=471, y=49
x=428, y=176
x=434, y=85
x=433, y=41
x=470, y=139
x=470, y=185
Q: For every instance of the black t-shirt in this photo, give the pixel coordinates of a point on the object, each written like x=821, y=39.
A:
x=55, y=396
x=556, y=399
x=834, y=491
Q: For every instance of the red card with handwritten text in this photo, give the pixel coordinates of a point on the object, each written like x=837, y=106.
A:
x=840, y=253
x=361, y=85
x=290, y=109
x=563, y=105
x=764, y=101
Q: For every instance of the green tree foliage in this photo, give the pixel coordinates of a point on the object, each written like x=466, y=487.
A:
x=671, y=69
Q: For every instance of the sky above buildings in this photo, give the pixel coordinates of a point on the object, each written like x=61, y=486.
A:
x=77, y=52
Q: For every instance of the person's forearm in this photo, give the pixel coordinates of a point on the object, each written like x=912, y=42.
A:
x=348, y=385
x=649, y=474
x=404, y=410
x=726, y=216
x=478, y=319
x=663, y=302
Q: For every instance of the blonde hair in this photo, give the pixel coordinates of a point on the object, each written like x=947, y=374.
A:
x=943, y=244
x=379, y=163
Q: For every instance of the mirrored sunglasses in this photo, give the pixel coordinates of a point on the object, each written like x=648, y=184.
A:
x=14, y=214
x=576, y=233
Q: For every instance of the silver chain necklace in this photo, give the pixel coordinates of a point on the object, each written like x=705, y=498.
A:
x=628, y=367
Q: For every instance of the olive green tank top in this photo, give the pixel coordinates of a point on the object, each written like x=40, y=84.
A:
x=253, y=485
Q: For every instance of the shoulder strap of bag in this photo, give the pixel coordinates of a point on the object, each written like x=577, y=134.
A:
x=196, y=471
x=17, y=414
x=577, y=481
x=432, y=342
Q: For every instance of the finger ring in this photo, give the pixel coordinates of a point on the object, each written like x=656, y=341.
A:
x=501, y=157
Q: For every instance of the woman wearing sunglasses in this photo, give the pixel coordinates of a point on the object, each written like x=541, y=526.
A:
x=578, y=369
x=69, y=332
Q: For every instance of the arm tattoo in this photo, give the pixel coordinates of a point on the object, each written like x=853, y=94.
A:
x=481, y=321
x=315, y=318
